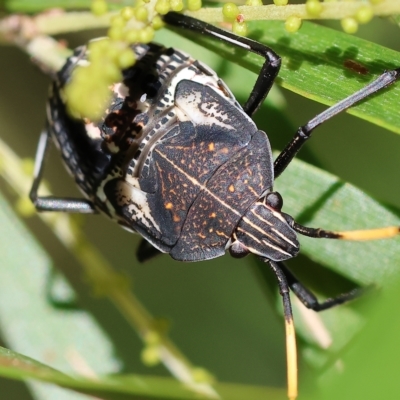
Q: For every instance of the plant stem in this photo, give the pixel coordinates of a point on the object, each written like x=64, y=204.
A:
x=334, y=10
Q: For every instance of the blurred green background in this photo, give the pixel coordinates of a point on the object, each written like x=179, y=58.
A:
x=222, y=315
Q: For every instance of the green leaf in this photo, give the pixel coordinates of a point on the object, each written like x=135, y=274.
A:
x=369, y=368
x=17, y=366
x=315, y=64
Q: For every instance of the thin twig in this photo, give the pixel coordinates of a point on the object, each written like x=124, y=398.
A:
x=19, y=29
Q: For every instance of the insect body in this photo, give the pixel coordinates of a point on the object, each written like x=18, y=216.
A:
x=177, y=159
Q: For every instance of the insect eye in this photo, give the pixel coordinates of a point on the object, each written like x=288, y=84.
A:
x=274, y=200
x=238, y=250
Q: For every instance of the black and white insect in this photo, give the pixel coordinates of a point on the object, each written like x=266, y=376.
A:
x=178, y=160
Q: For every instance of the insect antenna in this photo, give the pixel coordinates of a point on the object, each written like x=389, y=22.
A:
x=356, y=235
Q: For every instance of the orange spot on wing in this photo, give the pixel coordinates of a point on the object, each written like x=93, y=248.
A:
x=219, y=233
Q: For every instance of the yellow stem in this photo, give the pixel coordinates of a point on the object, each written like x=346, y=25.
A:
x=332, y=10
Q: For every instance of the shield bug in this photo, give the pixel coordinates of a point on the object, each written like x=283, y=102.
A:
x=178, y=160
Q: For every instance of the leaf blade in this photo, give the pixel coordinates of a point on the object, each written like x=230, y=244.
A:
x=17, y=366
x=316, y=69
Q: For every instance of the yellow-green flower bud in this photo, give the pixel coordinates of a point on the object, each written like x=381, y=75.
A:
x=293, y=24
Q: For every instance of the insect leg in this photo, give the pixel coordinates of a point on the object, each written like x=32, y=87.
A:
x=309, y=299
x=291, y=348
x=51, y=203
x=269, y=70
x=304, y=132
x=146, y=251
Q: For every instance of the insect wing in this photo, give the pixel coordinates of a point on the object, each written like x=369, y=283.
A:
x=223, y=201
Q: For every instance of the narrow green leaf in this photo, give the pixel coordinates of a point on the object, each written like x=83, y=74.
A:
x=372, y=363
x=17, y=366
x=318, y=63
